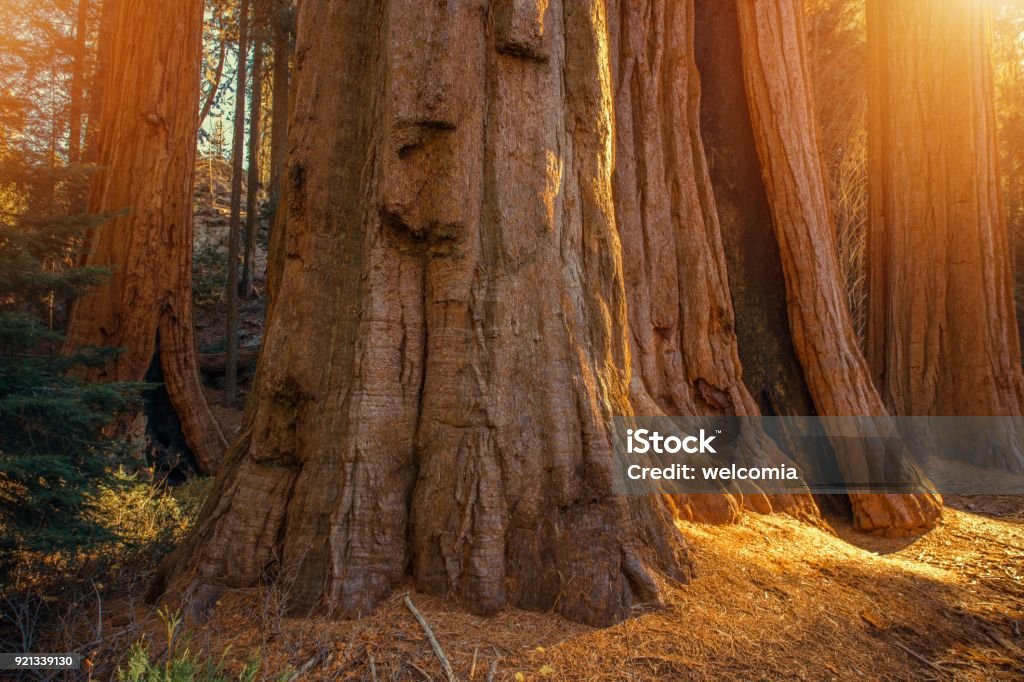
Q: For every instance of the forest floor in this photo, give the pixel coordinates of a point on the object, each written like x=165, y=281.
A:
x=774, y=599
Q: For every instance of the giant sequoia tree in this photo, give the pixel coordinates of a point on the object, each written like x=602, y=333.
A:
x=942, y=328
x=501, y=231
x=453, y=262
x=782, y=129
x=146, y=150
x=682, y=325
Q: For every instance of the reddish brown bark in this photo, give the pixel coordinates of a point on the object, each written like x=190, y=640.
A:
x=281, y=26
x=686, y=355
x=943, y=334
x=453, y=263
x=771, y=369
x=146, y=154
x=782, y=114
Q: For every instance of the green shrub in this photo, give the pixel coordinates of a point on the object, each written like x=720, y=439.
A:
x=209, y=277
x=179, y=664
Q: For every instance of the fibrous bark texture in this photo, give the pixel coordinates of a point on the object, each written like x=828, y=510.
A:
x=146, y=152
x=837, y=375
x=453, y=261
x=942, y=336
x=768, y=181
x=770, y=366
x=683, y=330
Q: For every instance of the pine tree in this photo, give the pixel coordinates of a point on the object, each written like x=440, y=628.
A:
x=53, y=452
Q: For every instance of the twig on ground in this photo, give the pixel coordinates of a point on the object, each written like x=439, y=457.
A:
x=933, y=666
x=435, y=645
x=492, y=670
x=304, y=668
x=422, y=672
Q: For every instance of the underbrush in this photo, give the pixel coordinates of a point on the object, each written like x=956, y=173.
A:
x=209, y=277
x=179, y=663
x=54, y=601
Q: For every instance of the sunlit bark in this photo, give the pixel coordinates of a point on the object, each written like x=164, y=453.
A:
x=146, y=153
x=943, y=334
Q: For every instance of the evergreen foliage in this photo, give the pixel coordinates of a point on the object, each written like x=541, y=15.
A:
x=53, y=453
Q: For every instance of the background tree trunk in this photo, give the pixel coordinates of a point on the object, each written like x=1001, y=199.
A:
x=453, y=260
x=252, y=203
x=281, y=22
x=218, y=74
x=235, y=220
x=785, y=133
x=146, y=155
x=942, y=334
x=97, y=98
x=76, y=108
x=686, y=356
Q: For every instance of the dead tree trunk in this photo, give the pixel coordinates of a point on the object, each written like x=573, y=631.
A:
x=942, y=335
x=453, y=263
x=146, y=155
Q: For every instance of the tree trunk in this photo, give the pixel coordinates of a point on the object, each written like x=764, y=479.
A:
x=235, y=220
x=683, y=330
x=146, y=157
x=281, y=24
x=252, y=204
x=453, y=262
x=759, y=44
x=943, y=336
x=771, y=369
x=97, y=97
x=76, y=108
x=215, y=83
x=782, y=114
x=282, y=175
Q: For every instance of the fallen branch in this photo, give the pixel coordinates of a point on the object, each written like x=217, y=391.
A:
x=421, y=671
x=933, y=666
x=434, y=644
x=305, y=667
